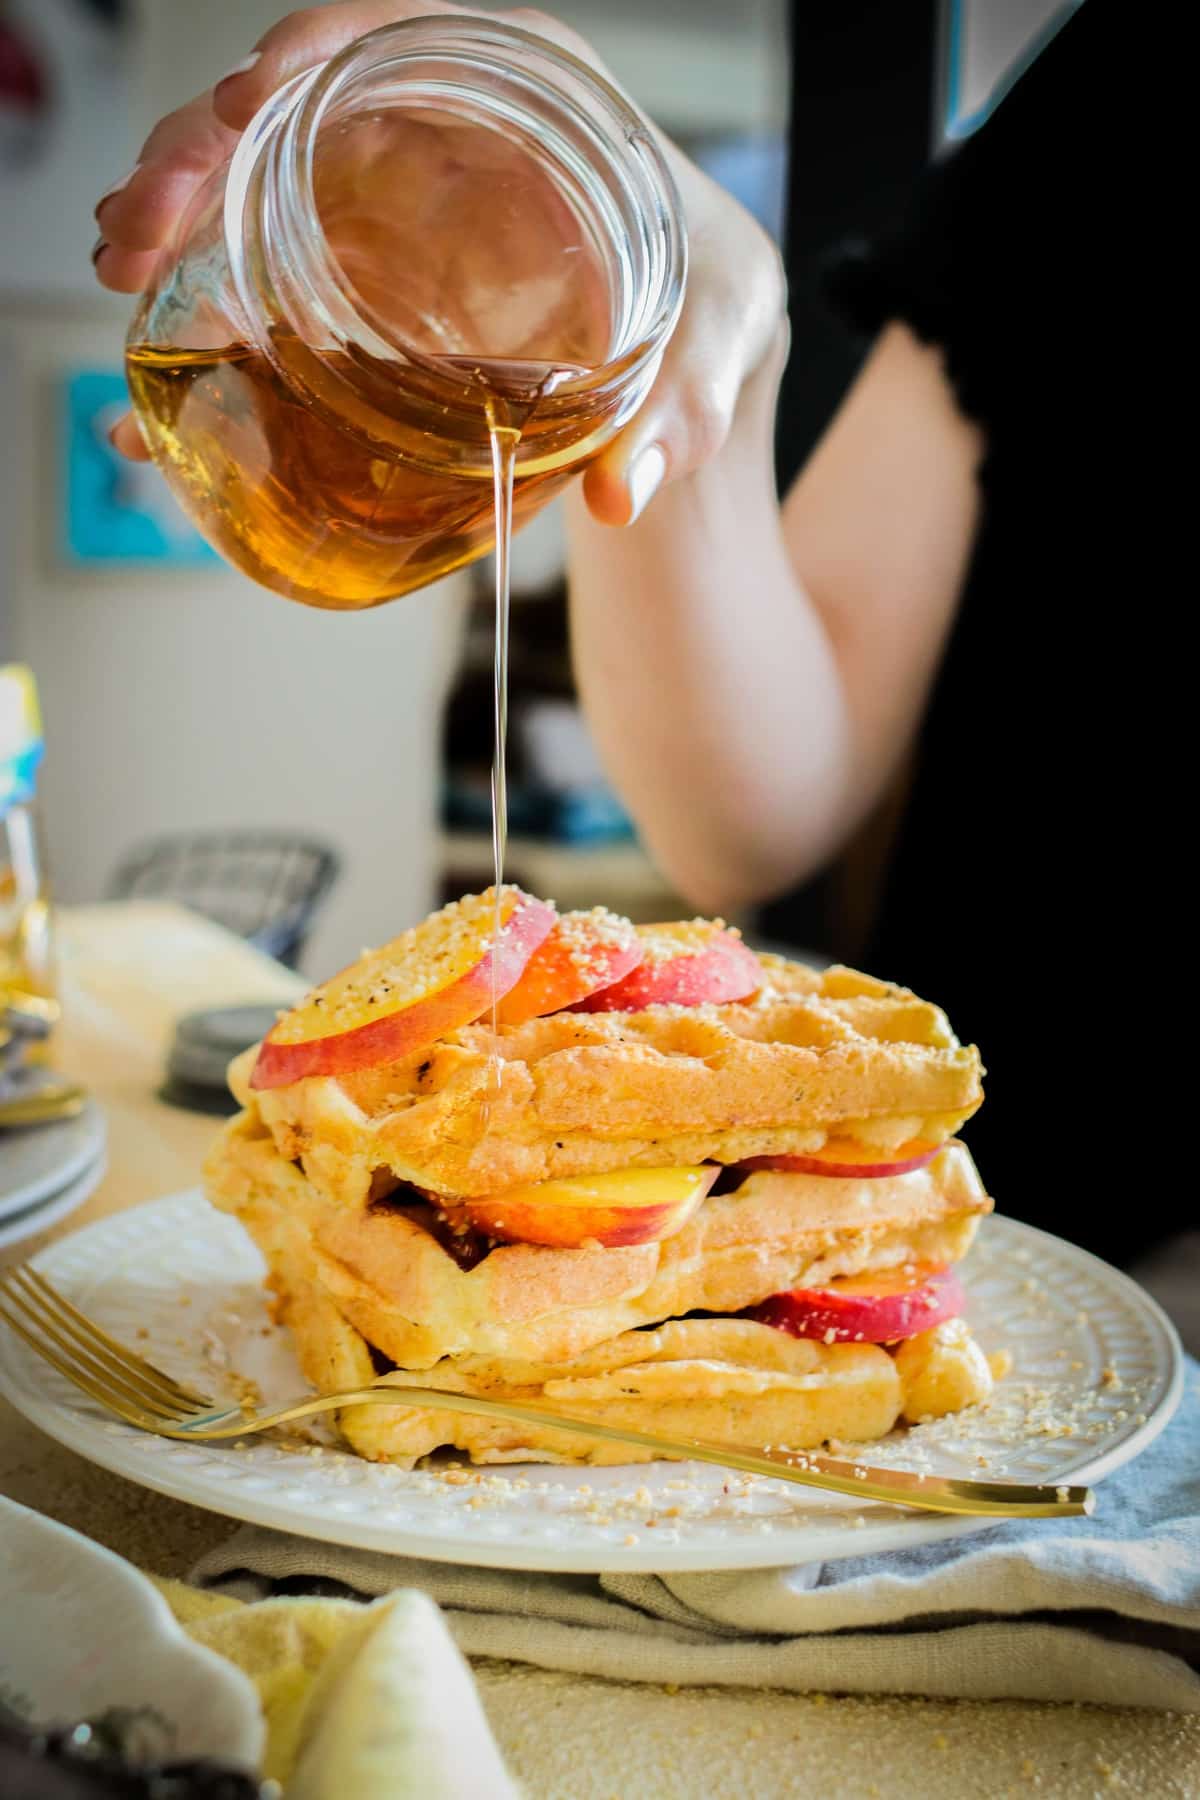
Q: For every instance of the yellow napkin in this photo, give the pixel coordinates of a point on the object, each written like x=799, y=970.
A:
x=373, y=1701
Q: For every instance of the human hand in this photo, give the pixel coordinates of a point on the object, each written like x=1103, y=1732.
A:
x=732, y=312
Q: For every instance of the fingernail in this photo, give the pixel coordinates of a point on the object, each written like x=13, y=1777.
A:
x=644, y=480
x=242, y=68
x=117, y=186
x=98, y=249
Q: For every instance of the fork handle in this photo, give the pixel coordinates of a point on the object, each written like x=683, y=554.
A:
x=898, y=1487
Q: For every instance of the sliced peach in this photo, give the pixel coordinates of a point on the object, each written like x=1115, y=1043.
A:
x=585, y=951
x=432, y=979
x=867, y=1309
x=626, y=1206
x=686, y=964
x=844, y=1158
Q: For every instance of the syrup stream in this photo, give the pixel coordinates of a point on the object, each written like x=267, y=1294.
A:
x=513, y=391
x=504, y=452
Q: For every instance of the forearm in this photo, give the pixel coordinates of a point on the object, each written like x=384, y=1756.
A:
x=754, y=676
x=709, y=677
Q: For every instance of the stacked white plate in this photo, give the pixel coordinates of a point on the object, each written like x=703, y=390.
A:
x=46, y=1171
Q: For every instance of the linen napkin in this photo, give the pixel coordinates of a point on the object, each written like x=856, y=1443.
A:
x=370, y=1701
x=1105, y=1609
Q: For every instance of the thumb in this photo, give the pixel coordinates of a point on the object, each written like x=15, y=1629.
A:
x=683, y=424
x=686, y=419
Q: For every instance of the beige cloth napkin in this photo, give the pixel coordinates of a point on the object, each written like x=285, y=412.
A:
x=744, y=1629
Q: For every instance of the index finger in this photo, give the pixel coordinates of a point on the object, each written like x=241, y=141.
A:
x=181, y=152
x=303, y=38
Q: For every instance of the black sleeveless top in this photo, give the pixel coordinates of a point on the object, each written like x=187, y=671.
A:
x=1029, y=888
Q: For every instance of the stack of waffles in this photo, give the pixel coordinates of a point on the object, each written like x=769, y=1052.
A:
x=656, y=1180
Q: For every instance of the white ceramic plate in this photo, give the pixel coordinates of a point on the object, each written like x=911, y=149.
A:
x=83, y=1634
x=1097, y=1373
x=39, y=1160
x=49, y=1211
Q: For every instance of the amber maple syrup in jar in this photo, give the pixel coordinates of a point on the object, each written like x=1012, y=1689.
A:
x=447, y=260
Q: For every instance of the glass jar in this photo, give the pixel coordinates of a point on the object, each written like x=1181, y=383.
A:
x=453, y=226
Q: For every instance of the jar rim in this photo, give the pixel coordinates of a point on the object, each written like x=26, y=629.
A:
x=293, y=116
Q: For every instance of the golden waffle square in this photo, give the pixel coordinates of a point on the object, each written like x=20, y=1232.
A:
x=726, y=1380
x=391, y=1279
x=814, y=1054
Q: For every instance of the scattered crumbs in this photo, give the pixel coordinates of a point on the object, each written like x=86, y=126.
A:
x=216, y=1354
x=670, y=1687
x=941, y=1741
x=1110, y=1379
x=247, y=1393
x=630, y=1539
x=1062, y=1495
x=142, y=1332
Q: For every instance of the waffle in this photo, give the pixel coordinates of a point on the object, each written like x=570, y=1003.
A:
x=812, y=1055
x=727, y=1380
x=391, y=1280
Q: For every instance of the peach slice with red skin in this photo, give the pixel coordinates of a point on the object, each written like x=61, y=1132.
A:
x=586, y=951
x=624, y=1206
x=867, y=1309
x=843, y=1158
x=693, y=963
x=432, y=979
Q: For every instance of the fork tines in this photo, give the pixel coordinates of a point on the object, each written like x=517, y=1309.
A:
x=80, y=1350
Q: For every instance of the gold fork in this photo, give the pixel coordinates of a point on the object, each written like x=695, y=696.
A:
x=125, y=1384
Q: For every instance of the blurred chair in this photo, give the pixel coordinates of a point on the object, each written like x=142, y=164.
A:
x=265, y=886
